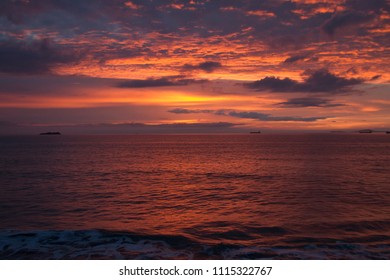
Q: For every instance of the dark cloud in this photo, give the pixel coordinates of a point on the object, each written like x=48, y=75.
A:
x=267, y=117
x=71, y=85
x=247, y=115
x=4, y=124
x=20, y=11
x=16, y=11
x=376, y=77
x=374, y=6
x=187, y=111
x=200, y=125
x=308, y=102
x=160, y=82
x=167, y=125
x=352, y=70
x=35, y=57
x=122, y=128
x=208, y=66
x=317, y=81
x=51, y=85
x=295, y=58
x=324, y=81
x=274, y=84
x=358, y=12
x=346, y=18
x=118, y=21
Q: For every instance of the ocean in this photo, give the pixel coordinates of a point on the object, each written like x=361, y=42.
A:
x=260, y=196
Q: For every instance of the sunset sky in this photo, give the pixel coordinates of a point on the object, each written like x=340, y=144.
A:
x=194, y=66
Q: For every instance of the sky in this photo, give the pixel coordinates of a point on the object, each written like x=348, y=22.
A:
x=205, y=66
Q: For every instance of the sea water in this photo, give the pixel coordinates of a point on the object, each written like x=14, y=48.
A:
x=303, y=196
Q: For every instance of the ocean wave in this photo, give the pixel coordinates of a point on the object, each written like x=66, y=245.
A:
x=103, y=244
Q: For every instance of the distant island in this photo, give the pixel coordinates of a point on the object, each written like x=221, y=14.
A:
x=50, y=133
x=362, y=131
x=366, y=131
x=373, y=131
x=253, y=132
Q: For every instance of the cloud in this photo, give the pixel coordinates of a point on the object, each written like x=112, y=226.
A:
x=308, y=102
x=5, y=124
x=21, y=11
x=266, y=117
x=261, y=13
x=317, y=81
x=200, y=125
x=375, y=6
x=131, y=5
x=117, y=28
x=187, y=111
x=247, y=115
x=122, y=128
x=35, y=57
x=355, y=13
x=295, y=58
x=324, y=81
x=274, y=84
x=376, y=77
x=167, y=125
x=346, y=18
x=208, y=66
x=160, y=82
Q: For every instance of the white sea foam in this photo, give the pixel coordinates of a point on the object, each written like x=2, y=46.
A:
x=97, y=244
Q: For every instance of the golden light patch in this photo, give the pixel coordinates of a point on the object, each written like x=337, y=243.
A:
x=131, y=5
x=370, y=109
x=261, y=13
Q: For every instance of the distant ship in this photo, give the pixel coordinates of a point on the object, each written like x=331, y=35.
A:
x=387, y=132
x=255, y=132
x=50, y=133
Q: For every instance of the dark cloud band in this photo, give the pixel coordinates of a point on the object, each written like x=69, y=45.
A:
x=247, y=115
x=308, y=102
x=317, y=81
x=33, y=57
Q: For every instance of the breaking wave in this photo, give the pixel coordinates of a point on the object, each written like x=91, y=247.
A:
x=103, y=244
